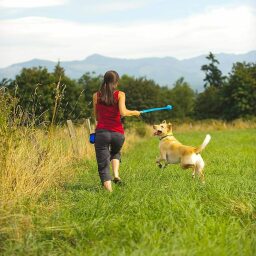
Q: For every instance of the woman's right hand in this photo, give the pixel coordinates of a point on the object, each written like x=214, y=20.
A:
x=137, y=113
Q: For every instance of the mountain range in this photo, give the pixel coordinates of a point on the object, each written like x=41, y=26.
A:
x=164, y=71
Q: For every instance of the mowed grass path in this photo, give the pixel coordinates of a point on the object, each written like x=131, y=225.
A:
x=157, y=212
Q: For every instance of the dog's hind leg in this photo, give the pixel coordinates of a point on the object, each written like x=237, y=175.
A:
x=187, y=166
x=202, y=177
x=194, y=172
x=200, y=173
x=199, y=168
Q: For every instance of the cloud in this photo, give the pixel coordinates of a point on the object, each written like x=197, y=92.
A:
x=115, y=5
x=217, y=30
x=109, y=6
x=30, y=3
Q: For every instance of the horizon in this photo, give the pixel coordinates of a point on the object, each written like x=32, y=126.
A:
x=120, y=58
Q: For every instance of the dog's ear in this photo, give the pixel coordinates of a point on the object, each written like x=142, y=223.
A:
x=164, y=122
x=169, y=126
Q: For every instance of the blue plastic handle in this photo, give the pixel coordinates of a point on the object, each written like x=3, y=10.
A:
x=92, y=138
x=168, y=107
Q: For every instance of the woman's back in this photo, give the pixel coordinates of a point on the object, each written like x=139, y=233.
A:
x=108, y=116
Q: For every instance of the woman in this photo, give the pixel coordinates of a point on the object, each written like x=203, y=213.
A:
x=109, y=106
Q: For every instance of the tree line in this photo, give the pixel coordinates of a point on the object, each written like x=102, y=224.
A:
x=53, y=97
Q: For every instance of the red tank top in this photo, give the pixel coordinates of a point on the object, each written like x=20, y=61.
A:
x=109, y=117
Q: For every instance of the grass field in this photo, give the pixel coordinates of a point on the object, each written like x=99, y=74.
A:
x=157, y=212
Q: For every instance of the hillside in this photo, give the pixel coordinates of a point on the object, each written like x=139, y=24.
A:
x=164, y=71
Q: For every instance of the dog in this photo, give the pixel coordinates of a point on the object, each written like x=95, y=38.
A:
x=174, y=152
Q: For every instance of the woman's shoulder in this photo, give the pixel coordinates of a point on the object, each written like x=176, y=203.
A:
x=121, y=93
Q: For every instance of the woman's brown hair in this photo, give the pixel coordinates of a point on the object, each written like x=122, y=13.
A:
x=108, y=87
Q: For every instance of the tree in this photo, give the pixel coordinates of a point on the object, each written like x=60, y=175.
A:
x=5, y=82
x=183, y=99
x=38, y=92
x=240, y=91
x=213, y=76
x=209, y=104
x=89, y=84
x=72, y=104
x=141, y=93
x=34, y=87
x=58, y=72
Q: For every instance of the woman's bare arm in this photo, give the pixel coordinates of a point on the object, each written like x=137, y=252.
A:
x=122, y=107
x=94, y=106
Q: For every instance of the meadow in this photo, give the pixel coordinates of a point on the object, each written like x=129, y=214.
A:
x=156, y=212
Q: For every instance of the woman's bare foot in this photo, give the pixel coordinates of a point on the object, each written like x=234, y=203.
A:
x=107, y=185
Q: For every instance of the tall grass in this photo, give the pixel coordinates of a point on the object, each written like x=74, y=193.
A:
x=31, y=160
x=215, y=125
x=34, y=160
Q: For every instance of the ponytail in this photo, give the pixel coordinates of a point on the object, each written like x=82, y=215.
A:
x=108, y=87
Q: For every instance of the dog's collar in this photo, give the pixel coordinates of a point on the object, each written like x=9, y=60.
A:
x=166, y=136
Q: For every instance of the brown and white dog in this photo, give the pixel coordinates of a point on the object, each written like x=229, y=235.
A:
x=173, y=152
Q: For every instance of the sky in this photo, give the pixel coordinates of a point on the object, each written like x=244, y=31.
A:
x=74, y=29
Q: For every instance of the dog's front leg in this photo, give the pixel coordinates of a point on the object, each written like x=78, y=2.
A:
x=158, y=162
x=161, y=161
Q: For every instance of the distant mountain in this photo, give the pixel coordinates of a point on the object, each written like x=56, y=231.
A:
x=164, y=71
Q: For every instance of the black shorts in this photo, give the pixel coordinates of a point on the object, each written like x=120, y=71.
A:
x=107, y=147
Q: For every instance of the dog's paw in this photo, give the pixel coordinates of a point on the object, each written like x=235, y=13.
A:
x=160, y=165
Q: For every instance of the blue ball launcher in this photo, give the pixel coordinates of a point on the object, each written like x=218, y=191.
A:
x=168, y=107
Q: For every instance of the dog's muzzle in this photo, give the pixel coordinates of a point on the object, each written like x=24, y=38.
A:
x=158, y=132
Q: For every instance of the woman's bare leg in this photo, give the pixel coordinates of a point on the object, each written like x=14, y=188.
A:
x=115, y=167
x=107, y=185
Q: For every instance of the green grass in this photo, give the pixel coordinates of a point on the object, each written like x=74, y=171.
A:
x=157, y=212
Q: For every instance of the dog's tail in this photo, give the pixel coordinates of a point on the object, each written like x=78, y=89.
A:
x=204, y=144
